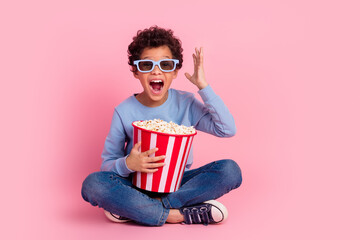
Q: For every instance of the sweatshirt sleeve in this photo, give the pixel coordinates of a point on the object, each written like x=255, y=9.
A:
x=213, y=116
x=113, y=155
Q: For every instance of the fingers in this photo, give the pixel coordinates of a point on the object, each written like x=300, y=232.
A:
x=198, y=57
x=153, y=159
x=199, y=52
x=150, y=170
x=157, y=158
x=154, y=165
x=149, y=152
x=195, y=60
x=137, y=147
x=144, y=161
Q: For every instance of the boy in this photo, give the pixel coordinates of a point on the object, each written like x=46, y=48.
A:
x=155, y=57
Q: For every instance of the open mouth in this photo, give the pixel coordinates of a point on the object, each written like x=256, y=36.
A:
x=156, y=86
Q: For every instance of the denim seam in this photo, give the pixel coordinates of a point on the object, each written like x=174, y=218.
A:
x=166, y=202
x=163, y=217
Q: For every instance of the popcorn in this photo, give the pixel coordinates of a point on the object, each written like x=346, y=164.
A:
x=158, y=125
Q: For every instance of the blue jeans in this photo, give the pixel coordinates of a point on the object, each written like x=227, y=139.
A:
x=116, y=194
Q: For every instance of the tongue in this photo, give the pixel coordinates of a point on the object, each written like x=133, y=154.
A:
x=156, y=86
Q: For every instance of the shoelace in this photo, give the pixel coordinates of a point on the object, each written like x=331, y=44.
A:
x=193, y=215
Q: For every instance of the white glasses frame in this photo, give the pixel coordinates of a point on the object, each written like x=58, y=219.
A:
x=155, y=63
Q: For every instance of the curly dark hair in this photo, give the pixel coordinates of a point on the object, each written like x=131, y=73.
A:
x=152, y=38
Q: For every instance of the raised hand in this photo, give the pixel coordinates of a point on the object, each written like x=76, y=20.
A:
x=141, y=162
x=198, y=77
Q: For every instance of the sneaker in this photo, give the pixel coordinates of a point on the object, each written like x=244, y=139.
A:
x=115, y=218
x=207, y=212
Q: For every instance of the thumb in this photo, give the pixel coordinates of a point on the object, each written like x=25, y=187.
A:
x=188, y=76
x=137, y=146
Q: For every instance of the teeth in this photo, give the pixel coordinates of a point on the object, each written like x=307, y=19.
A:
x=156, y=81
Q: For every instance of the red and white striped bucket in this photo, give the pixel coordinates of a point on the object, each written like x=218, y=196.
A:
x=176, y=148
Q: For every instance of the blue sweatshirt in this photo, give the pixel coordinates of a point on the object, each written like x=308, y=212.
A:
x=181, y=107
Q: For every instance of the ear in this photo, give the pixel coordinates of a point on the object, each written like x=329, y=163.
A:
x=135, y=72
x=176, y=71
x=136, y=75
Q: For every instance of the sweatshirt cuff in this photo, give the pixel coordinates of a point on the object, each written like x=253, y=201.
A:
x=123, y=167
x=207, y=93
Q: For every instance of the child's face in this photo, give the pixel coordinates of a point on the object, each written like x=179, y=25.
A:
x=155, y=93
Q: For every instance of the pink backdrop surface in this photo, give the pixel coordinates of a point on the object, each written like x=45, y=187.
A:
x=288, y=71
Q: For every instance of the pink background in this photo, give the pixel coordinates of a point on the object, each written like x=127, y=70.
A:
x=288, y=71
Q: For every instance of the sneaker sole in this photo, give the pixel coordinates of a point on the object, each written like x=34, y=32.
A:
x=221, y=207
x=114, y=219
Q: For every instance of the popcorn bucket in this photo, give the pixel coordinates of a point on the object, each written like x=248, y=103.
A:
x=175, y=147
